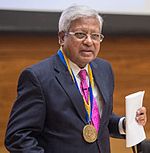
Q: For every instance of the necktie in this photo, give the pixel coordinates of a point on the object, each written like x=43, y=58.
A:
x=85, y=93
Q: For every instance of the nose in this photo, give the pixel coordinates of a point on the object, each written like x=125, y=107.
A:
x=88, y=40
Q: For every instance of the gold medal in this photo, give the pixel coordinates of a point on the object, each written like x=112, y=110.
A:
x=89, y=133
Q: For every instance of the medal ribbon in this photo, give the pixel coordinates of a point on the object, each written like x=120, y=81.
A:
x=89, y=105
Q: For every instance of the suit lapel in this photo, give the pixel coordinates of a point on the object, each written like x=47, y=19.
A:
x=64, y=78
x=99, y=79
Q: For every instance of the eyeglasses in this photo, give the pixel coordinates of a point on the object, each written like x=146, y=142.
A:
x=82, y=36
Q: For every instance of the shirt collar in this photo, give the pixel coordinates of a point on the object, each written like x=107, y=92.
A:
x=75, y=68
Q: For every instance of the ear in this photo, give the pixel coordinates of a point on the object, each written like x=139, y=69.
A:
x=61, y=36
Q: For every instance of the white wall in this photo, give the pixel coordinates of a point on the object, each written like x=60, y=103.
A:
x=137, y=7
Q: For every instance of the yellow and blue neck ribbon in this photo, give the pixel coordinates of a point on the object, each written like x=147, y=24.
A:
x=89, y=105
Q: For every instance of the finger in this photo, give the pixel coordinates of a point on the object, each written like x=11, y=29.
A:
x=141, y=122
x=141, y=119
x=141, y=111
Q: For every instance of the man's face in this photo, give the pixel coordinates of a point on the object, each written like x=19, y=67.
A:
x=81, y=51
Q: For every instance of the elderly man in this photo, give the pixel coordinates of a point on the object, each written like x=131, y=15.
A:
x=64, y=103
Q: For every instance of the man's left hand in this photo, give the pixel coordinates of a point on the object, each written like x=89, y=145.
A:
x=141, y=116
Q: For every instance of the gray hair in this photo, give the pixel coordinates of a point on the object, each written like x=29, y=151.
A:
x=74, y=12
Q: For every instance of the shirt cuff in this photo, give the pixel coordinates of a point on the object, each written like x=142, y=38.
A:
x=121, y=129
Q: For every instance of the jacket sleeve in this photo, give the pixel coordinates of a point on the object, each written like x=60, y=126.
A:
x=114, y=126
x=27, y=116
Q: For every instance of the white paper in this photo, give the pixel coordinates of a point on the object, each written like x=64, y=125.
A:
x=134, y=132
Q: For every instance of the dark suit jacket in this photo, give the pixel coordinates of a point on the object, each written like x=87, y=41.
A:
x=49, y=114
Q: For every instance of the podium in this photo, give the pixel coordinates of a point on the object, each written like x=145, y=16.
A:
x=143, y=147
